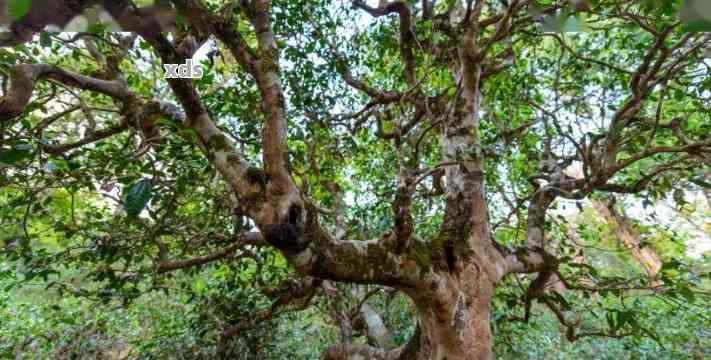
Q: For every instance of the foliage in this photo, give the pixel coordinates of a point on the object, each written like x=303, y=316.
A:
x=123, y=227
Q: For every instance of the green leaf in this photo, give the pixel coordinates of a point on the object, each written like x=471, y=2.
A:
x=96, y=28
x=687, y=293
x=18, y=8
x=45, y=39
x=68, y=320
x=698, y=25
x=625, y=317
x=388, y=126
x=610, y=320
x=137, y=197
x=16, y=154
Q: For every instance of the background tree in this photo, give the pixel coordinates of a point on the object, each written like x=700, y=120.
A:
x=347, y=152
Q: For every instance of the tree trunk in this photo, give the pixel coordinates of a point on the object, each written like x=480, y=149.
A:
x=453, y=318
x=646, y=257
x=453, y=321
x=376, y=331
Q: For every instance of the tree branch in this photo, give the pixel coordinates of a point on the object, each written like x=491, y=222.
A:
x=240, y=240
x=407, y=36
x=23, y=78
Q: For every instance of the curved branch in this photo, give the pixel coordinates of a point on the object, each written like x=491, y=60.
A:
x=532, y=257
x=376, y=330
x=142, y=112
x=246, y=180
x=241, y=240
x=364, y=262
x=39, y=15
x=23, y=79
x=90, y=138
x=266, y=73
x=263, y=65
x=377, y=96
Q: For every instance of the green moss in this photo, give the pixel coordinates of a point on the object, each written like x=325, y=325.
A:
x=421, y=252
x=256, y=175
x=269, y=59
x=219, y=142
x=234, y=158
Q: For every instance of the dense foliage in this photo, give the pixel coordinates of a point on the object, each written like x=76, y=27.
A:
x=142, y=217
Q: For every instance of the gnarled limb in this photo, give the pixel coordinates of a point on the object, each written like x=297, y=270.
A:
x=263, y=64
x=268, y=80
x=602, y=158
x=244, y=179
x=284, y=223
x=39, y=15
x=376, y=330
x=24, y=77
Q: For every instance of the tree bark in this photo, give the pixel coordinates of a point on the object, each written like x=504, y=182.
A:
x=376, y=331
x=453, y=319
x=646, y=257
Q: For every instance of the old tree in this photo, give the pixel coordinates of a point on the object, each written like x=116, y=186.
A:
x=338, y=152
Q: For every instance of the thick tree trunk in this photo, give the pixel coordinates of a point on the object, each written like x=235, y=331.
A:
x=453, y=318
x=453, y=321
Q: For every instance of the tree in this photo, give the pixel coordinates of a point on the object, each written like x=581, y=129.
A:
x=420, y=146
